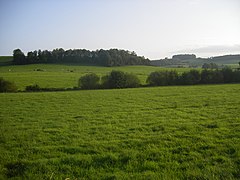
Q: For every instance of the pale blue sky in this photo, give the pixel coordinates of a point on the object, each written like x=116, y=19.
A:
x=152, y=28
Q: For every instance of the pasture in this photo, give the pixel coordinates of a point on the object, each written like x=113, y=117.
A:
x=66, y=76
x=175, y=132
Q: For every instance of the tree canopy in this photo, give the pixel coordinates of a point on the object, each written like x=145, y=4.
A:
x=89, y=81
x=111, y=57
x=164, y=78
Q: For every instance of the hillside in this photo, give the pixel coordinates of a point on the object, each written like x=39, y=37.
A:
x=67, y=75
x=175, y=61
x=6, y=60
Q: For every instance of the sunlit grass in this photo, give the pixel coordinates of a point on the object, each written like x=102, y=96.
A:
x=190, y=132
x=66, y=76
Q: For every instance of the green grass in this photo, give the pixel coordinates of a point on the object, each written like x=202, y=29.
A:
x=65, y=76
x=184, y=132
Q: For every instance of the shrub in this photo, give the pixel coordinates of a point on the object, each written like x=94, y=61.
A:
x=228, y=75
x=33, y=88
x=172, y=77
x=105, y=82
x=237, y=76
x=89, y=81
x=7, y=86
x=132, y=81
x=212, y=77
x=156, y=78
x=191, y=77
x=162, y=78
x=119, y=79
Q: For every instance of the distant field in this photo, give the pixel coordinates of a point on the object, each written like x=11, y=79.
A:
x=5, y=60
x=66, y=76
x=184, y=132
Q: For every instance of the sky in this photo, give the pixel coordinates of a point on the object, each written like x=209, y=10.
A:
x=152, y=28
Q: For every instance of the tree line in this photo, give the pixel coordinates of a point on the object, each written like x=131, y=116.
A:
x=111, y=57
x=119, y=79
x=193, y=77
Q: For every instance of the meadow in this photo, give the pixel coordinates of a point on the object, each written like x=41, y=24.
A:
x=174, y=132
x=66, y=76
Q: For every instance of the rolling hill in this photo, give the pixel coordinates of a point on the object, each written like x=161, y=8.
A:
x=193, y=61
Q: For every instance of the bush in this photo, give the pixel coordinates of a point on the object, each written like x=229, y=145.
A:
x=132, y=81
x=212, y=77
x=89, y=81
x=33, y=88
x=228, y=75
x=237, y=76
x=105, y=82
x=156, y=78
x=7, y=86
x=162, y=78
x=119, y=79
x=190, y=78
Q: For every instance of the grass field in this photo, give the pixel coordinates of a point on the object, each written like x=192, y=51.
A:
x=184, y=132
x=66, y=76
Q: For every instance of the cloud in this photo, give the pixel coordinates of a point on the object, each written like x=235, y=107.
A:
x=213, y=50
x=218, y=48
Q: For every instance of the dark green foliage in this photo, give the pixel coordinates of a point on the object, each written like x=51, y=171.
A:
x=33, y=88
x=112, y=57
x=120, y=79
x=19, y=57
x=105, y=82
x=15, y=169
x=210, y=66
x=184, y=56
x=37, y=88
x=228, y=75
x=154, y=79
x=237, y=76
x=117, y=79
x=212, y=77
x=172, y=77
x=7, y=86
x=162, y=78
x=89, y=81
x=132, y=80
x=191, y=77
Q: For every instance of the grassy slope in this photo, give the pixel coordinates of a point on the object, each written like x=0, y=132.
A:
x=199, y=62
x=65, y=76
x=190, y=132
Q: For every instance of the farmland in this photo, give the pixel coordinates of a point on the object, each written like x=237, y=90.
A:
x=66, y=76
x=186, y=132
